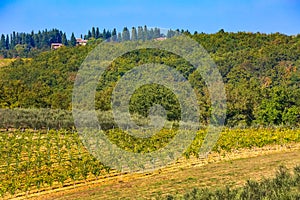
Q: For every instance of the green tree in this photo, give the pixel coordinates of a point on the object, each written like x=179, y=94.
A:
x=278, y=107
x=108, y=34
x=13, y=40
x=89, y=35
x=243, y=91
x=140, y=34
x=7, y=42
x=151, y=34
x=2, y=42
x=145, y=33
x=133, y=34
x=119, y=38
x=64, y=39
x=97, y=35
x=114, y=35
x=125, y=34
x=93, y=32
x=104, y=33
x=171, y=33
x=290, y=116
x=156, y=33
x=31, y=39
x=37, y=39
x=73, y=40
x=45, y=39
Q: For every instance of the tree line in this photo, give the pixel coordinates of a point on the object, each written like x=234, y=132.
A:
x=139, y=33
x=27, y=44
x=19, y=44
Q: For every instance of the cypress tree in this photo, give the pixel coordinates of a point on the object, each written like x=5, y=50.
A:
x=2, y=42
x=10, y=42
x=133, y=34
x=125, y=34
x=89, y=34
x=151, y=34
x=97, y=33
x=146, y=34
x=28, y=39
x=58, y=36
x=36, y=40
x=119, y=37
x=93, y=32
x=73, y=40
x=140, y=33
x=171, y=33
x=39, y=39
x=45, y=40
x=23, y=38
x=114, y=35
x=13, y=40
x=7, y=42
x=156, y=33
x=64, y=40
x=32, y=43
x=108, y=34
x=104, y=34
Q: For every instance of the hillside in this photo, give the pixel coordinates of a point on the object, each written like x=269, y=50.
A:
x=260, y=72
x=42, y=152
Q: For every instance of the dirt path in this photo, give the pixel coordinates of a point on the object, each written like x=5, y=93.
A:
x=215, y=171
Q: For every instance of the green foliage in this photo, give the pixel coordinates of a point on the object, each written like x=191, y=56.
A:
x=35, y=160
x=48, y=82
x=280, y=107
x=283, y=186
x=133, y=34
x=3, y=42
x=36, y=119
x=260, y=72
x=231, y=139
x=30, y=44
x=125, y=34
x=147, y=96
x=73, y=40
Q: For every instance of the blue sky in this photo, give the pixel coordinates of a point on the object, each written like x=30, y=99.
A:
x=203, y=16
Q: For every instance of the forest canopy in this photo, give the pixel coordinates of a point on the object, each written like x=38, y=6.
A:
x=260, y=72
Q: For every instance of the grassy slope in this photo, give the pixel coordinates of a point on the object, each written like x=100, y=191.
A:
x=216, y=171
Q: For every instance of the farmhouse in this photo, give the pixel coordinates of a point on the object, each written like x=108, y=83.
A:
x=160, y=38
x=56, y=45
x=80, y=41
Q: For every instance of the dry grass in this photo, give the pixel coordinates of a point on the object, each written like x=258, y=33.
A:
x=6, y=61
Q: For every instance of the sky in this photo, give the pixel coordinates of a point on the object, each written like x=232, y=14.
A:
x=209, y=16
